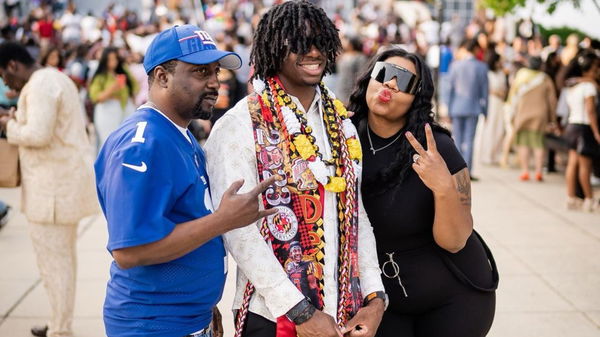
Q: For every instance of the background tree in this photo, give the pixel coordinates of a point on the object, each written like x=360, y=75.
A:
x=502, y=7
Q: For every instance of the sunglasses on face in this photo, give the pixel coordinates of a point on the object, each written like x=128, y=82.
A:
x=406, y=81
x=316, y=41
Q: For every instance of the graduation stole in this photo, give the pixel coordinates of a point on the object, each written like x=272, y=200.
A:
x=285, y=146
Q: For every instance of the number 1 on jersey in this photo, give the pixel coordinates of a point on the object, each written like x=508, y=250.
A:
x=139, y=133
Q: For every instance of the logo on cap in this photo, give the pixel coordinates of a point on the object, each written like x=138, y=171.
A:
x=189, y=44
x=202, y=35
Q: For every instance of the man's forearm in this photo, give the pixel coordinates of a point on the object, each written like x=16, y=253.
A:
x=184, y=238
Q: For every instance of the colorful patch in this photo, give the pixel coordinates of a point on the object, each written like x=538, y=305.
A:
x=303, y=176
x=284, y=224
x=271, y=157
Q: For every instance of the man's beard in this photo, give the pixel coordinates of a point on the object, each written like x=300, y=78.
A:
x=198, y=112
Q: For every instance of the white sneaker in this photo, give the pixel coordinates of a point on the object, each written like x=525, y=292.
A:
x=573, y=203
x=589, y=205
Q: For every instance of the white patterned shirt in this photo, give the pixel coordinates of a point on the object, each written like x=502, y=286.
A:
x=231, y=156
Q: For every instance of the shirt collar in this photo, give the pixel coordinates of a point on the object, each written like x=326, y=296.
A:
x=316, y=102
x=181, y=129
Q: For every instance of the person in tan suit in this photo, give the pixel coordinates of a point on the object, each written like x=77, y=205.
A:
x=57, y=173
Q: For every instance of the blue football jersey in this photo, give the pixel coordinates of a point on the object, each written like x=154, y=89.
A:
x=149, y=179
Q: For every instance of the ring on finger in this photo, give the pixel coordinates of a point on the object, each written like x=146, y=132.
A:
x=416, y=157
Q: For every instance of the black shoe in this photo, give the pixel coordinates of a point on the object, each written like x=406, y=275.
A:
x=474, y=178
x=4, y=216
x=39, y=331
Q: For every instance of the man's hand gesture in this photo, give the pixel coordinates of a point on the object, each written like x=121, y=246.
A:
x=243, y=209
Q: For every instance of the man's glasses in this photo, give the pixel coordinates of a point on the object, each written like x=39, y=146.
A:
x=405, y=80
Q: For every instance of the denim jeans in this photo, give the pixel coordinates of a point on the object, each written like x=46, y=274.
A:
x=463, y=130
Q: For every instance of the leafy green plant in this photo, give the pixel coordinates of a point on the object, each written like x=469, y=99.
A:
x=502, y=7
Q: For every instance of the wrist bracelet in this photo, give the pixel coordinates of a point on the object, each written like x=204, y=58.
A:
x=307, y=314
x=374, y=295
x=301, y=312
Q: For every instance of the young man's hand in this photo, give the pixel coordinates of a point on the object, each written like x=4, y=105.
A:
x=366, y=321
x=319, y=325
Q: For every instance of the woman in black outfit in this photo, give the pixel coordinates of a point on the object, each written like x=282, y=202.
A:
x=417, y=193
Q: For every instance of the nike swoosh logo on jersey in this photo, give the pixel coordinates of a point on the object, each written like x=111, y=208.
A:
x=140, y=168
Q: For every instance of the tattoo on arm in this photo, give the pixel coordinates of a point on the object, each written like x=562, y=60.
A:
x=463, y=185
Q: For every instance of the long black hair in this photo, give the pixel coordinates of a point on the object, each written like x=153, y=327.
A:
x=294, y=26
x=103, y=67
x=419, y=113
x=46, y=56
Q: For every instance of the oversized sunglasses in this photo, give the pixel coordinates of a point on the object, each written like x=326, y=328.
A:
x=405, y=80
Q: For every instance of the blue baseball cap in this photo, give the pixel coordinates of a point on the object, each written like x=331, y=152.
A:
x=187, y=43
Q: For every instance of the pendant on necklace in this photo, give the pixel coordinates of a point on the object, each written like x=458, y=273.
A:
x=373, y=150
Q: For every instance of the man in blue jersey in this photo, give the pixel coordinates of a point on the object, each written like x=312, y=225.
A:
x=169, y=260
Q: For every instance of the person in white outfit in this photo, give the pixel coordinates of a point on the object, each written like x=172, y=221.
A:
x=58, y=187
x=112, y=90
x=583, y=131
x=493, y=128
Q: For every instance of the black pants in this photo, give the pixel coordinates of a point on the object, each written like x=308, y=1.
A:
x=258, y=326
x=438, y=303
x=462, y=318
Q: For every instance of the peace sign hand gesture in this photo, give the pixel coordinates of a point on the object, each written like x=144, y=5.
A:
x=429, y=164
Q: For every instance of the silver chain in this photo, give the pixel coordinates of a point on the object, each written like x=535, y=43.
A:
x=381, y=148
x=396, y=269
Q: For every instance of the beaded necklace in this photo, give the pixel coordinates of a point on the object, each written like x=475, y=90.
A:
x=300, y=134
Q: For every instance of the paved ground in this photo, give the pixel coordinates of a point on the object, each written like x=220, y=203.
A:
x=548, y=260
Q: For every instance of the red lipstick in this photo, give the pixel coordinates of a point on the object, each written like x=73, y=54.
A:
x=384, y=96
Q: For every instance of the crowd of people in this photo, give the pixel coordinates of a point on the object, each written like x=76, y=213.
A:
x=538, y=101
x=270, y=82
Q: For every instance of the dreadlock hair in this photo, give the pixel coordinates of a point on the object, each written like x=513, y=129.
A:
x=294, y=26
x=419, y=113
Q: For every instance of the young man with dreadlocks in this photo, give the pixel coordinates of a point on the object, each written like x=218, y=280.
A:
x=293, y=126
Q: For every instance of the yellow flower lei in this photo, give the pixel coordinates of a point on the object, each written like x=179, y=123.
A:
x=354, y=148
x=336, y=184
x=304, y=147
x=340, y=108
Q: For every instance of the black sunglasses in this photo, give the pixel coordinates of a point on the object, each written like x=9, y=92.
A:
x=405, y=80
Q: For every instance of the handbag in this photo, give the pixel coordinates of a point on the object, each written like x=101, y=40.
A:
x=10, y=173
x=465, y=279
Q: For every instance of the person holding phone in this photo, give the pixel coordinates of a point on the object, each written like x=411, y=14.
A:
x=112, y=91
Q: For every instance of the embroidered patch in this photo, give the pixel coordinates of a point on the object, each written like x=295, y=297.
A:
x=284, y=224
